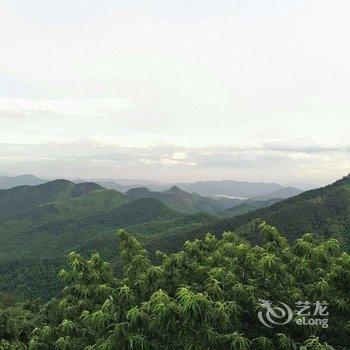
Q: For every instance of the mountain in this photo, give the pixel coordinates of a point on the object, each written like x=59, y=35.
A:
x=226, y=188
x=230, y=188
x=114, y=186
x=124, y=185
x=7, y=182
x=22, y=198
x=40, y=225
x=285, y=192
x=304, y=186
x=180, y=200
x=324, y=211
x=53, y=218
x=248, y=206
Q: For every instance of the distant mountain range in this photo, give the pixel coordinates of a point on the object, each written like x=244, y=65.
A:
x=185, y=202
x=7, y=182
x=226, y=188
x=285, y=192
x=248, y=206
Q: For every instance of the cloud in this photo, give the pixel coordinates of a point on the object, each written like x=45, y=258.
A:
x=200, y=90
x=83, y=158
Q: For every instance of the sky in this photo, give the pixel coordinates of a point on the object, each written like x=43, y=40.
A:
x=185, y=90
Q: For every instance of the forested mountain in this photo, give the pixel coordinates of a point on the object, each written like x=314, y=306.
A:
x=218, y=189
x=124, y=185
x=49, y=220
x=7, y=182
x=285, y=192
x=39, y=225
x=324, y=211
x=207, y=294
x=182, y=201
x=20, y=199
x=248, y=206
x=228, y=188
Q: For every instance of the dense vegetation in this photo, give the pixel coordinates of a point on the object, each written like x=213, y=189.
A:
x=248, y=206
x=39, y=225
x=204, y=297
x=324, y=211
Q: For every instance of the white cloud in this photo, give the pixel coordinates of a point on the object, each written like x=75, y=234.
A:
x=244, y=85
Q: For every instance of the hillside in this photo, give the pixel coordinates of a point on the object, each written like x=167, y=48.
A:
x=180, y=200
x=23, y=198
x=230, y=189
x=39, y=225
x=206, y=296
x=285, y=192
x=48, y=221
x=324, y=211
x=7, y=182
x=248, y=206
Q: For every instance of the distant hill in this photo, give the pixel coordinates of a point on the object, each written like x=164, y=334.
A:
x=180, y=200
x=7, y=182
x=248, y=206
x=124, y=185
x=40, y=225
x=324, y=211
x=22, y=198
x=285, y=192
x=230, y=188
x=114, y=186
x=224, y=188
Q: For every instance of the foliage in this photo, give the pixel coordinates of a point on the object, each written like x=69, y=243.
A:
x=49, y=220
x=39, y=225
x=204, y=297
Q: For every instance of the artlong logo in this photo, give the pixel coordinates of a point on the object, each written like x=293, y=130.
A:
x=277, y=315
x=282, y=314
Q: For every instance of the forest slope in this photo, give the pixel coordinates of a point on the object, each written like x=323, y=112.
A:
x=324, y=211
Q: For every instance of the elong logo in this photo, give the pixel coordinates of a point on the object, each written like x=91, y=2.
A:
x=282, y=314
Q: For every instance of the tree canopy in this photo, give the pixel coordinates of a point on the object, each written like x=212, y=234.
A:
x=204, y=297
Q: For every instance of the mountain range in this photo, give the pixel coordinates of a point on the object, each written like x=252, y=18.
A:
x=40, y=225
x=218, y=189
x=7, y=182
x=324, y=211
x=183, y=201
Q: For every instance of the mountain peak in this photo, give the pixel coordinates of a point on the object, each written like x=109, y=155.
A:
x=175, y=189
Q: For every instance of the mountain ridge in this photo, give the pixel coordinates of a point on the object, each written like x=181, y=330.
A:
x=180, y=200
x=324, y=211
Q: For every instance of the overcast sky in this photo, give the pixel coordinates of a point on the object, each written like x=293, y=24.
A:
x=176, y=90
